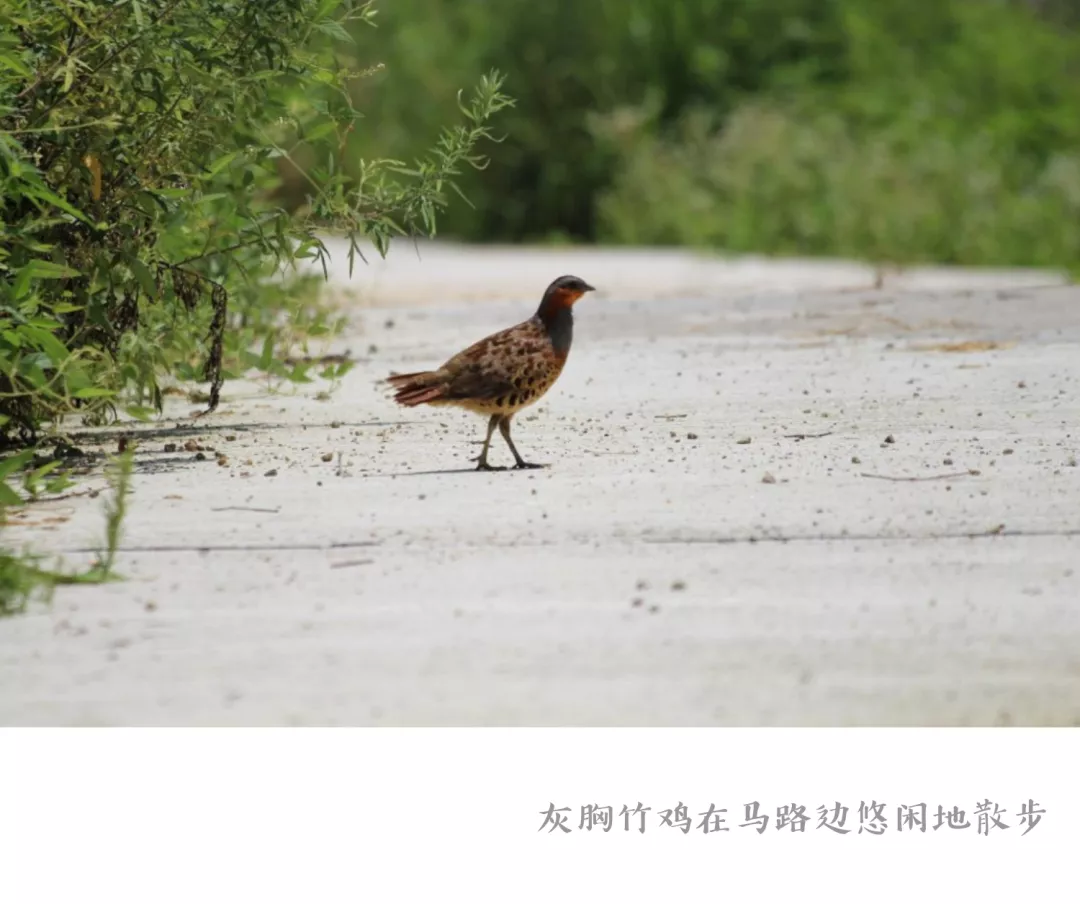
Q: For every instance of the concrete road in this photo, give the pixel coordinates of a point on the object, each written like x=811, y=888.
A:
x=778, y=495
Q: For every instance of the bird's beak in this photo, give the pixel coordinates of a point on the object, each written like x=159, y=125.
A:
x=589, y=288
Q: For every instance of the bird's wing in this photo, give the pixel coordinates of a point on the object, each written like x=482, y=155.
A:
x=485, y=369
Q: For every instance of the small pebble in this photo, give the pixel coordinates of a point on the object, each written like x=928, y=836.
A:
x=768, y=478
x=271, y=473
x=890, y=439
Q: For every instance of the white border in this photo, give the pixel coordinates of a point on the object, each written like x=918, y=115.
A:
x=417, y=815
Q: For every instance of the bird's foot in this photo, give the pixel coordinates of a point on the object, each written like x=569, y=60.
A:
x=484, y=466
x=523, y=465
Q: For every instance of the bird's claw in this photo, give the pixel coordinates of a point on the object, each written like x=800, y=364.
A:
x=523, y=465
x=484, y=466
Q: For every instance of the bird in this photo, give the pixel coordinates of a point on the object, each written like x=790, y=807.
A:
x=502, y=373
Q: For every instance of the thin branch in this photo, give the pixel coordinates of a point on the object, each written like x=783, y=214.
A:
x=226, y=250
x=106, y=121
x=799, y=436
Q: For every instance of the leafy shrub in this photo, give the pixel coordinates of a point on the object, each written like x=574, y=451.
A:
x=145, y=235
x=141, y=150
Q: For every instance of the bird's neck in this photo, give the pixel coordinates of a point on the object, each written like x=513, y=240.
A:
x=558, y=320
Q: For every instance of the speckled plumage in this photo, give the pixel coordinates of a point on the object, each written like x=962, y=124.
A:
x=503, y=372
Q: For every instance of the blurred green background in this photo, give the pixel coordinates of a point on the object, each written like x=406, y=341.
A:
x=894, y=130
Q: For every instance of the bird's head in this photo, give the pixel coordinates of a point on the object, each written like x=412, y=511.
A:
x=564, y=291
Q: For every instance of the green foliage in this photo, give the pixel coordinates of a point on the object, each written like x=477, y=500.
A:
x=142, y=149
x=147, y=232
x=810, y=184
x=899, y=129
x=966, y=164
x=25, y=579
x=566, y=62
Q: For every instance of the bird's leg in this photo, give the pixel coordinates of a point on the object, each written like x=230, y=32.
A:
x=482, y=462
x=504, y=429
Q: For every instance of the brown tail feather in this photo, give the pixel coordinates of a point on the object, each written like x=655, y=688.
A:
x=416, y=388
